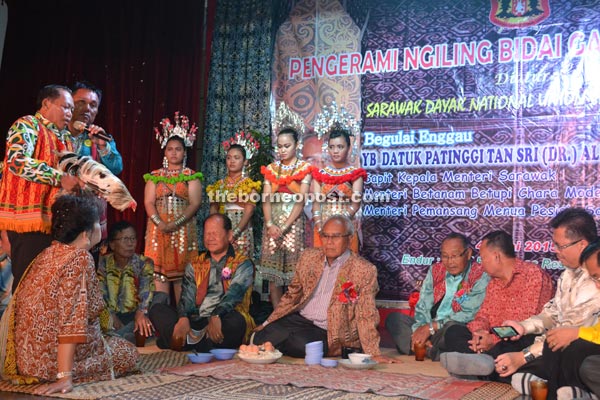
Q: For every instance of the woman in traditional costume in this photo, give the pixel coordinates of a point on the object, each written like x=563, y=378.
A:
x=54, y=334
x=172, y=196
x=287, y=181
x=236, y=195
x=338, y=187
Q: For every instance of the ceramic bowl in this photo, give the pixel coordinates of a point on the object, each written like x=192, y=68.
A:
x=199, y=358
x=223, y=354
x=329, y=363
x=359, y=358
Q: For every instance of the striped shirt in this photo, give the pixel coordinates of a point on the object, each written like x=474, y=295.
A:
x=317, y=305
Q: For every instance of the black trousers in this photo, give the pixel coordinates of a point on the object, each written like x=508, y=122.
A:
x=24, y=247
x=290, y=334
x=561, y=368
x=590, y=373
x=457, y=337
x=164, y=318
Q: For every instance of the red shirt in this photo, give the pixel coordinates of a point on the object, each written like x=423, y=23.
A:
x=524, y=295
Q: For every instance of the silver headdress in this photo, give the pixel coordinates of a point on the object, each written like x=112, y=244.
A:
x=286, y=118
x=331, y=118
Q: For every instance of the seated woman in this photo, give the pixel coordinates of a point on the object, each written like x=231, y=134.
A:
x=53, y=329
x=127, y=282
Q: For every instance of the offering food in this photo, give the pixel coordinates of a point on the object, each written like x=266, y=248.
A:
x=259, y=354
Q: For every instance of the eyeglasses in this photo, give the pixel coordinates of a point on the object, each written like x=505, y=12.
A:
x=130, y=239
x=566, y=246
x=333, y=236
x=450, y=258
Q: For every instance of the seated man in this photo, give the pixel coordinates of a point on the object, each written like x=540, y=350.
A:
x=451, y=293
x=567, y=347
x=576, y=302
x=215, y=296
x=127, y=282
x=331, y=298
x=517, y=289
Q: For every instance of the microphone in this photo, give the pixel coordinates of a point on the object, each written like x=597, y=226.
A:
x=100, y=135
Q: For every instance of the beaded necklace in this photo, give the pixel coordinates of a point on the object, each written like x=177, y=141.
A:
x=286, y=167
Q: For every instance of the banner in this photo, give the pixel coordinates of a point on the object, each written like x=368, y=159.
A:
x=476, y=117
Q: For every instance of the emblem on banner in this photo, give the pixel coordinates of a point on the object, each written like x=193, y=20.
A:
x=519, y=13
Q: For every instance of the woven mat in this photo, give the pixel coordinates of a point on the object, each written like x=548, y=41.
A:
x=152, y=385
x=348, y=380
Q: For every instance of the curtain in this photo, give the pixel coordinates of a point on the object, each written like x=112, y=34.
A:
x=239, y=84
x=146, y=56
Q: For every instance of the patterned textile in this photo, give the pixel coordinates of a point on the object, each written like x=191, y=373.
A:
x=336, y=185
x=575, y=303
x=524, y=295
x=279, y=256
x=229, y=195
x=30, y=180
x=382, y=383
x=126, y=289
x=239, y=80
x=351, y=324
x=171, y=251
x=66, y=311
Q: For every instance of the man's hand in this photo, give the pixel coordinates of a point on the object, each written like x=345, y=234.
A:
x=517, y=326
x=381, y=359
x=143, y=324
x=181, y=329
x=508, y=363
x=70, y=182
x=420, y=335
x=214, y=331
x=482, y=341
x=116, y=322
x=93, y=130
x=560, y=338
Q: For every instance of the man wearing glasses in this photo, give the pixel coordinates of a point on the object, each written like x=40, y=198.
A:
x=517, y=289
x=451, y=294
x=330, y=299
x=575, y=303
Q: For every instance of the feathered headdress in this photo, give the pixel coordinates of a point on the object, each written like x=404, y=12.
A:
x=181, y=128
x=331, y=118
x=246, y=140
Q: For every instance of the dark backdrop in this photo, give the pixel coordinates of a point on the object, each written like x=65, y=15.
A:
x=147, y=56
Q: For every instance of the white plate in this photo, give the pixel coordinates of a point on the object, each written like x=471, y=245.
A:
x=347, y=364
x=261, y=358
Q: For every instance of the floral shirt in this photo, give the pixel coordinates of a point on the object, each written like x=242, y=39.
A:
x=523, y=295
x=128, y=289
x=576, y=303
x=20, y=147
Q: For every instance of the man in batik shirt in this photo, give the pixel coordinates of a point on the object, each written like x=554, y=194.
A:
x=30, y=180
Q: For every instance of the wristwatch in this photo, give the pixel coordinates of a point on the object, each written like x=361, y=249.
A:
x=529, y=357
x=431, y=330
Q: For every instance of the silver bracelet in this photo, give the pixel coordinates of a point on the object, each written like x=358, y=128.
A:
x=180, y=221
x=64, y=374
x=155, y=219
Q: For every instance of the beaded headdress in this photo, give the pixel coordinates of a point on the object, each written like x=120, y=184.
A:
x=181, y=129
x=286, y=118
x=333, y=118
x=246, y=140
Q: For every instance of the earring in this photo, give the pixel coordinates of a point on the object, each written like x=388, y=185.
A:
x=184, y=160
x=165, y=163
x=244, y=172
